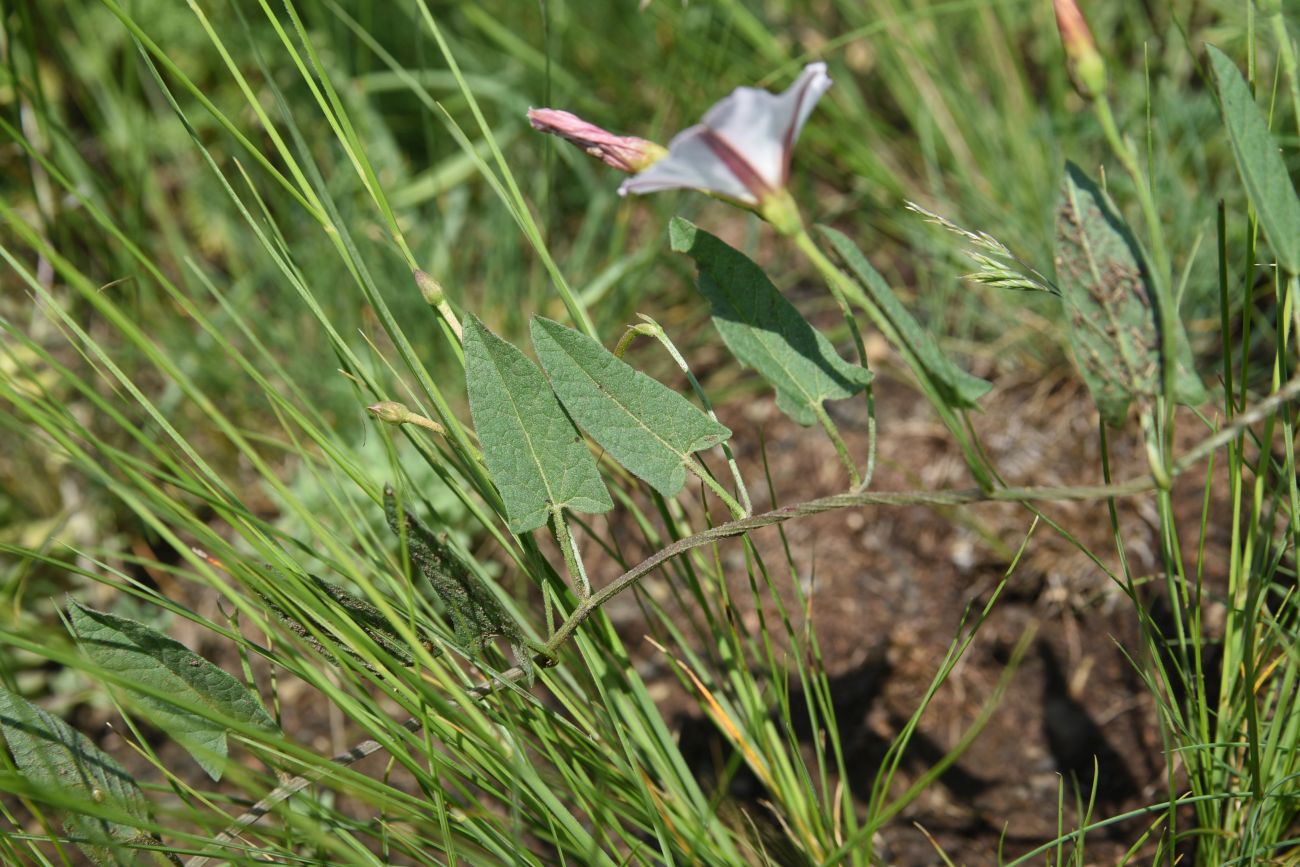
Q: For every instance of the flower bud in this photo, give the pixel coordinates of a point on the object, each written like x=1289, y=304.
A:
x=430, y=288
x=389, y=412
x=394, y=413
x=624, y=152
x=1087, y=69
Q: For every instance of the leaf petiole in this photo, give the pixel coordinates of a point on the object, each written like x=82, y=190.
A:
x=572, y=556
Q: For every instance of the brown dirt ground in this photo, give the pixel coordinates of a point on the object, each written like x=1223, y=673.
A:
x=890, y=587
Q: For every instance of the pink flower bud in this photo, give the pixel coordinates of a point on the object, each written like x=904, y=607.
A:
x=1087, y=69
x=624, y=152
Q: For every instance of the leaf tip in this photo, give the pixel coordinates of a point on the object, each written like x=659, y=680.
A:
x=681, y=235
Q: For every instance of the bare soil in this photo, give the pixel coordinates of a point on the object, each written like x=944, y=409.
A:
x=890, y=587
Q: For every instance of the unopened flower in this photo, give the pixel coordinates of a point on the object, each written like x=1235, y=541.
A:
x=389, y=411
x=741, y=148
x=394, y=413
x=429, y=288
x=1087, y=69
x=624, y=152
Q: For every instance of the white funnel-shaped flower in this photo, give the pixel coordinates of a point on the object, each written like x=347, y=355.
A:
x=741, y=149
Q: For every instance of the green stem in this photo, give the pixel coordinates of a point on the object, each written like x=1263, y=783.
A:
x=836, y=282
x=572, y=558
x=737, y=510
x=593, y=602
x=856, y=499
x=843, y=287
x=1141, y=185
x=657, y=331
x=961, y=497
x=841, y=449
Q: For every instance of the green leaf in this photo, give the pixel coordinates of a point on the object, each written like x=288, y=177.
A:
x=1108, y=302
x=957, y=387
x=1259, y=162
x=646, y=426
x=169, y=667
x=535, y=455
x=476, y=614
x=366, y=616
x=764, y=330
x=72, y=771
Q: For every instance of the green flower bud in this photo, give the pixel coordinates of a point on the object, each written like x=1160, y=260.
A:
x=430, y=288
x=390, y=412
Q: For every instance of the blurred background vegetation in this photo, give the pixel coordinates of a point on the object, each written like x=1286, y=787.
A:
x=962, y=106
x=176, y=207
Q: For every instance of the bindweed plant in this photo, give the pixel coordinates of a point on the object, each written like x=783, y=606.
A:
x=448, y=590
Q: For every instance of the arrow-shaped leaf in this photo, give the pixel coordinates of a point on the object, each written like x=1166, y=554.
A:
x=764, y=330
x=60, y=760
x=370, y=619
x=155, y=660
x=1258, y=162
x=959, y=388
x=534, y=453
x=1108, y=302
x=649, y=428
x=477, y=616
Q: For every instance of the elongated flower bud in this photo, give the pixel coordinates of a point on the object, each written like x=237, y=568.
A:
x=394, y=413
x=1087, y=69
x=390, y=412
x=624, y=152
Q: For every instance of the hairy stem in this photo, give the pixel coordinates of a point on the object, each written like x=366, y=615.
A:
x=835, y=281
x=737, y=510
x=572, y=558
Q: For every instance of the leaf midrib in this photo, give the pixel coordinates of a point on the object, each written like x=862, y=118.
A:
x=528, y=438
x=683, y=456
x=813, y=400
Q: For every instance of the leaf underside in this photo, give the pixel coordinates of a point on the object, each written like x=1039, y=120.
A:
x=476, y=615
x=58, y=759
x=1109, y=306
x=366, y=616
x=143, y=654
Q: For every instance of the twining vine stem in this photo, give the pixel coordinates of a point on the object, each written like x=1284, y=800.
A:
x=592, y=603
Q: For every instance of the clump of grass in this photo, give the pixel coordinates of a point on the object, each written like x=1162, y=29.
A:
x=213, y=253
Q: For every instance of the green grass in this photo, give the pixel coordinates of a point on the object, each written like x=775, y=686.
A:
x=208, y=220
